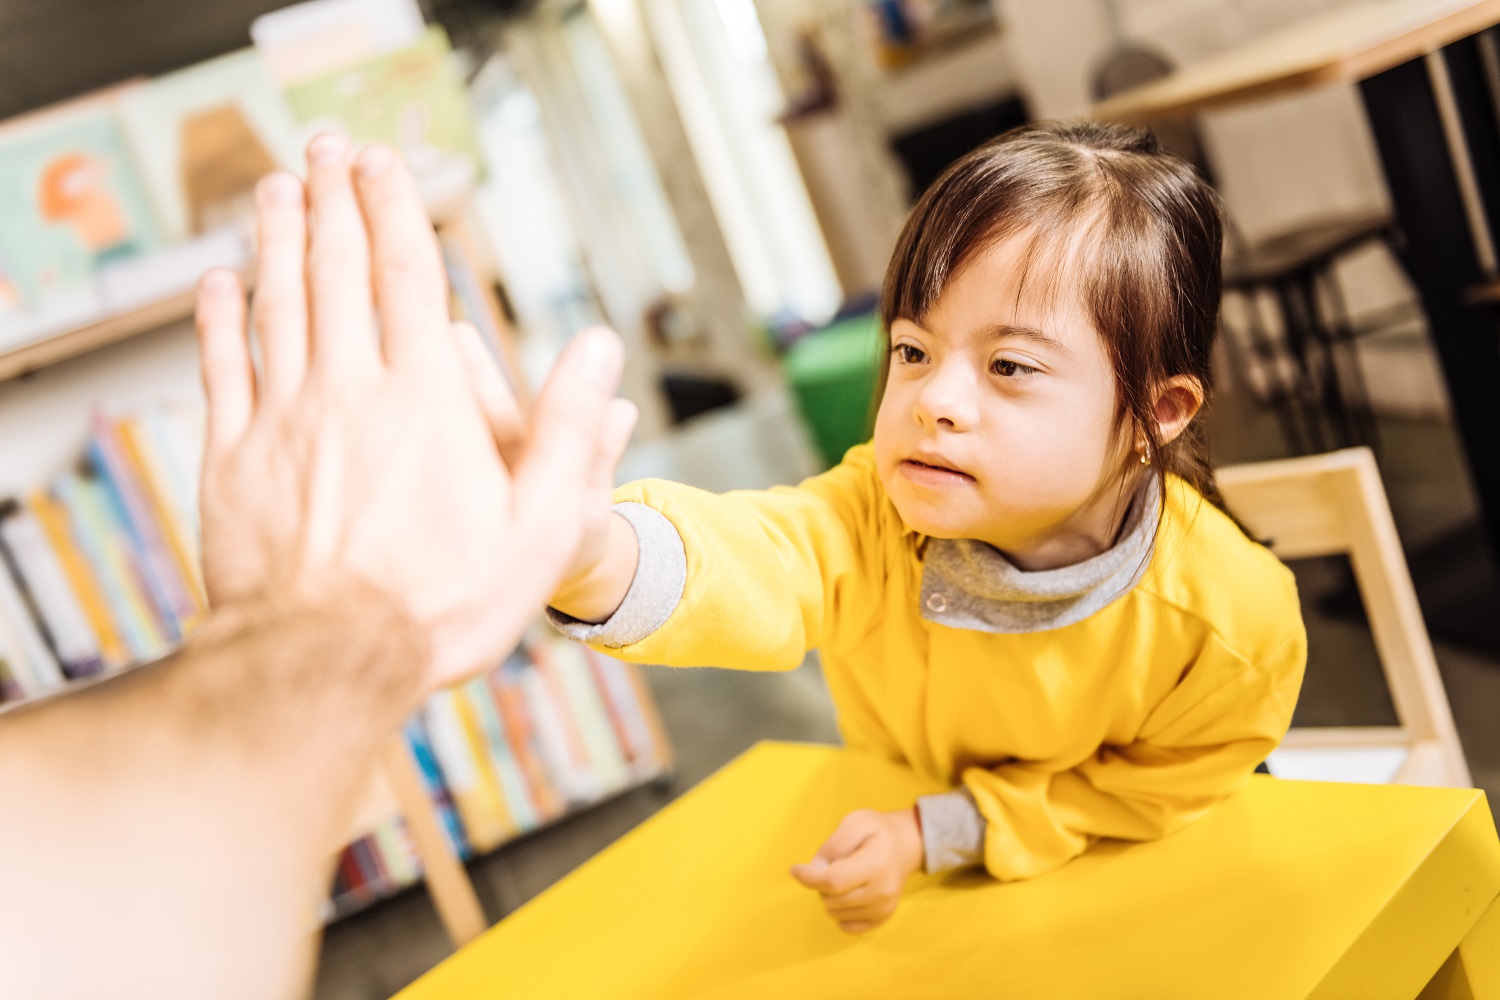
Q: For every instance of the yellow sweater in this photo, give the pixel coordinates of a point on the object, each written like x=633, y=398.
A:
x=1130, y=723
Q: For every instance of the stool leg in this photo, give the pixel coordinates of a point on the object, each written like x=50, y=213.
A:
x=1295, y=323
x=1351, y=373
x=1263, y=349
x=1472, y=972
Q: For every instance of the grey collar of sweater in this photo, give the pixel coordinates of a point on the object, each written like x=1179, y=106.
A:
x=970, y=585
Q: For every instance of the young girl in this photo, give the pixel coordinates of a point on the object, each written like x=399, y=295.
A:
x=1024, y=587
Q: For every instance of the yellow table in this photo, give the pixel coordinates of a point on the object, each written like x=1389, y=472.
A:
x=1291, y=889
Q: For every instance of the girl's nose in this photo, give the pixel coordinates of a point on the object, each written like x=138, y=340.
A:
x=946, y=399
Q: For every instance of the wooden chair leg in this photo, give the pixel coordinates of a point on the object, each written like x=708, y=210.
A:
x=452, y=892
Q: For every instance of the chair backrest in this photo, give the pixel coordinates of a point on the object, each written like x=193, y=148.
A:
x=1335, y=504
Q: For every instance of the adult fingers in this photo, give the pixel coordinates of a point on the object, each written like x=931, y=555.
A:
x=224, y=357
x=411, y=289
x=495, y=398
x=338, y=262
x=279, y=309
x=566, y=425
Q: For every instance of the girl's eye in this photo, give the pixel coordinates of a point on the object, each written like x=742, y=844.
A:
x=909, y=354
x=1012, y=369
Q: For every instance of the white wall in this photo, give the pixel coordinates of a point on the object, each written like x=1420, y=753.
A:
x=44, y=417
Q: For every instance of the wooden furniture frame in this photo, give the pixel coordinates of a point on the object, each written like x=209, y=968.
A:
x=1334, y=504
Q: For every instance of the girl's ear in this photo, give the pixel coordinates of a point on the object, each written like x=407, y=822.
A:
x=1178, y=401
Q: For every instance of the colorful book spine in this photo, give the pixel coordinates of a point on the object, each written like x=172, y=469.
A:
x=478, y=745
x=30, y=656
x=632, y=724
x=88, y=515
x=582, y=695
x=432, y=777
x=513, y=788
x=53, y=518
x=471, y=796
x=128, y=502
x=173, y=522
x=505, y=689
x=39, y=574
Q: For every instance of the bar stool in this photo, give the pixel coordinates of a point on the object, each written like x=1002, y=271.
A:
x=1308, y=371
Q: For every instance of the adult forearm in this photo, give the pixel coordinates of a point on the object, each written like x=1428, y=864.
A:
x=197, y=802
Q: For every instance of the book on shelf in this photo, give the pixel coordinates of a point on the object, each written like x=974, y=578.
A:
x=98, y=567
x=491, y=772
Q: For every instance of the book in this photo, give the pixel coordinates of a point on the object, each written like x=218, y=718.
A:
x=82, y=497
x=53, y=518
x=175, y=524
x=472, y=798
x=513, y=787
x=412, y=98
x=583, y=698
x=632, y=726
x=70, y=199
x=204, y=135
x=174, y=608
x=520, y=732
x=478, y=746
x=36, y=669
x=432, y=778
x=38, y=573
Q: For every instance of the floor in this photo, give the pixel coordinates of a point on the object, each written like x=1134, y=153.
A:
x=713, y=715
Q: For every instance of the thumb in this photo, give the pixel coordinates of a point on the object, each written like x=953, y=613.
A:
x=853, y=831
x=812, y=874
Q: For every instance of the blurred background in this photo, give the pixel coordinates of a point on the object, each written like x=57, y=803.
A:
x=721, y=181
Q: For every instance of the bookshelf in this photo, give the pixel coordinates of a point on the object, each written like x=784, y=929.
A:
x=32, y=356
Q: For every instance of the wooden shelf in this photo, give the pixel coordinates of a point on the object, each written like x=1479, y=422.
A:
x=27, y=358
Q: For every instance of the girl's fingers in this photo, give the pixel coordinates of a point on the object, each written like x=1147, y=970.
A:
x=224, y=357
x=619, y=423
x=495, y=398
x=280, y=305
x=411, y=288
x=857, y=926
x=338, y=262
x=568, y=421
x=854, y=899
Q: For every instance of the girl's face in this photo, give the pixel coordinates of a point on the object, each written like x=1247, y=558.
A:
x=999, y=419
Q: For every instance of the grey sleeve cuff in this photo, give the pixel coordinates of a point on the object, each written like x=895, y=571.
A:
x=952, y=831
x=655, y=592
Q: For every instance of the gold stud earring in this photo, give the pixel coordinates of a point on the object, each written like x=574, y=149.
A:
x=1145, y=450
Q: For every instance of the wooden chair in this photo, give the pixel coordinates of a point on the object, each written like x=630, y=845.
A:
x=1330, y=504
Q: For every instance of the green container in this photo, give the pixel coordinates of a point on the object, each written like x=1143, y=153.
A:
x=832, y=374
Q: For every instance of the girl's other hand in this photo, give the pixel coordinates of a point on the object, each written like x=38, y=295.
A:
x=860, y=870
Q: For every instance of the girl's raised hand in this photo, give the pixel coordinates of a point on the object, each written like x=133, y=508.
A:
x=860, y=870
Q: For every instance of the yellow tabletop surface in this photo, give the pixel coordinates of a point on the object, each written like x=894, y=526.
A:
x=1342, y=45
x=1289, y=889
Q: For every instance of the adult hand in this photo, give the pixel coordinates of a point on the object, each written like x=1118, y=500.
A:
x=860, y=870
x=362, y=449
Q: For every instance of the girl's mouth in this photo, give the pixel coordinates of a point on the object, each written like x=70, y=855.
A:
x=934, y=475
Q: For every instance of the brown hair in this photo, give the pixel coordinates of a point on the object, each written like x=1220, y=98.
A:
x=1133, y=228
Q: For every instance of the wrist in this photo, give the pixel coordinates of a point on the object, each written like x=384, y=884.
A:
x=594, y=594
x=906, y=829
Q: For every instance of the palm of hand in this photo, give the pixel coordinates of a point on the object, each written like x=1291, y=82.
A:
x=380, y=459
